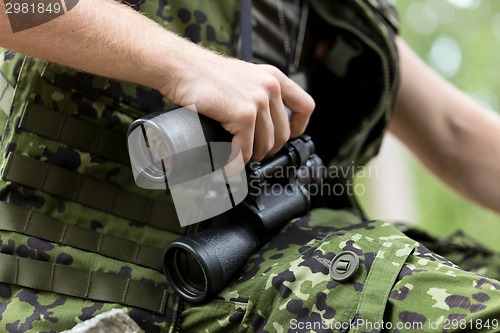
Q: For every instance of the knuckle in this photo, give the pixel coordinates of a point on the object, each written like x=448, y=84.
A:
x=261, y=99
x=263, y=148
x=270, y=145
x=248, y=116
x=272, y=85
x=282, y=137
x=268, y=68
x=274, y=71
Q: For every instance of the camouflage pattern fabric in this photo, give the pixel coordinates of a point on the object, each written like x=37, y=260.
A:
x=400, y=286
x=286, y=286
x=461, y=249
x=99, y=103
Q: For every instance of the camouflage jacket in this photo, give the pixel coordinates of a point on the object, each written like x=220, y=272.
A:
x=70, y=207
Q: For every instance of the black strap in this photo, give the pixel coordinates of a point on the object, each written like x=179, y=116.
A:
x=246, y=30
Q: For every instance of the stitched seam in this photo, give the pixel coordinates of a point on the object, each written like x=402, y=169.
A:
x=148, y=211
x=125, y=291
x=100, y=243
x=89, y=281
x=52, y=277
x=136, y=253
x=78, y=188
x=61, y=240
x=45, y=173
x=163, y=301
x=61, y=127
x=16, y=275
x=6, y=168
x=28, y=220
x=323, y=261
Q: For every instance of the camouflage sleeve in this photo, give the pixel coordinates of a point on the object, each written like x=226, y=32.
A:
x=399, y=285
x=461, y=249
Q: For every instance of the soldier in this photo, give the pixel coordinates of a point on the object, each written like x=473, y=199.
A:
x=80, y=238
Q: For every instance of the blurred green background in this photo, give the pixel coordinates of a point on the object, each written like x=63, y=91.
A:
x=460, y=39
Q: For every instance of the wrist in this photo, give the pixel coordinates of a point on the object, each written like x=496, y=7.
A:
x=184, y=67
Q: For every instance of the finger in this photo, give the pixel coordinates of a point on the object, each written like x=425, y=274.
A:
x=300, y=103
x=243, y=139
x=281, y=125
x=235, y=164
x=264, y=135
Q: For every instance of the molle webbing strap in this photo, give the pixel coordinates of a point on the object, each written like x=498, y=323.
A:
x=6, y=94
x=90, y=192
x=246, y=29
x=31, y=223
x=77, y=133
x=82, y=283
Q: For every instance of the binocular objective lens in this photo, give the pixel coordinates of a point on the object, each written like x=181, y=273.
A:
x=189, y=273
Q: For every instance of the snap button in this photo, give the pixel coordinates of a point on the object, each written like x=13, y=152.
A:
x=344, y=265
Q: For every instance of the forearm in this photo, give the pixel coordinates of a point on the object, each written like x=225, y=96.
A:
x=467, y=157
x=476, y=157
x=108, y=39
x=455, y=137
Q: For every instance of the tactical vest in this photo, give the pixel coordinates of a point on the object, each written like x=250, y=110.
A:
x=73, y=221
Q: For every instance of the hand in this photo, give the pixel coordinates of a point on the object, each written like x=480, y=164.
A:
x=247, y=99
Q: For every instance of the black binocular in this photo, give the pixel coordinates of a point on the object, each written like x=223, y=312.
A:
x=199, y=265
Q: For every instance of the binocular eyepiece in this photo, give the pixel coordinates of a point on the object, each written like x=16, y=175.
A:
x=163, y=145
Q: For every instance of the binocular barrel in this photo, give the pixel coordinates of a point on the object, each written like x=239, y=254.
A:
x=198, y=266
